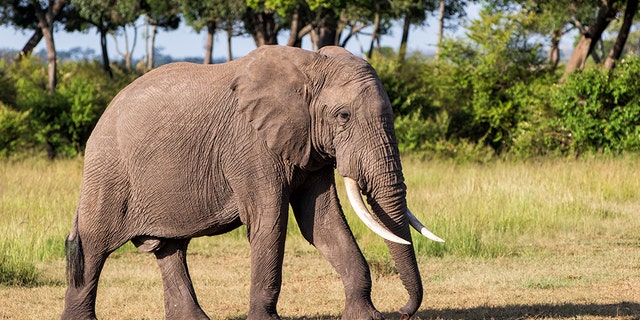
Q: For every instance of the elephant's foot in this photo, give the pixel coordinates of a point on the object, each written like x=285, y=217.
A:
x=191, y=312
x=361, y=310
x=256, y=315
x=74, y=314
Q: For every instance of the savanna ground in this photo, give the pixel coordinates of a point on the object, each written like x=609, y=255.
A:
x=547, y=239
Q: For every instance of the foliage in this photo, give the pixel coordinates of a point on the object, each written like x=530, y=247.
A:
x=60, y=122
x=12, y=129
x=600, y=111
x=481, y=92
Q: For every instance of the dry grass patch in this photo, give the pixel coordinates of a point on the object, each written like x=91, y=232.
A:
x=602, y=285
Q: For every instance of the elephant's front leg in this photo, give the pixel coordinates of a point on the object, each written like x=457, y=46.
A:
x=322, y=222
x=180, y=300
x=267, y=232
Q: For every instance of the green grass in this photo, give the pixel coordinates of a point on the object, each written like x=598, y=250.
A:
x=37, y=201
x=497, y=209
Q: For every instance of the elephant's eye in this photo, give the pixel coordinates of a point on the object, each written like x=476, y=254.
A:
x=344, y=116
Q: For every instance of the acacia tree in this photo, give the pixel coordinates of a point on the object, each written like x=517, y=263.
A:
x=39, y=16
x=326, y=22
x=261, y=21
x=630, y=11
x=550, y=18
x=411, y=12
x=106, y=17
x=164, y=14
x=212, y=15
x=449, y=10
x=591, y=35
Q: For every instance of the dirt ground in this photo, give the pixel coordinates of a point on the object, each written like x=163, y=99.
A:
x=566, y=284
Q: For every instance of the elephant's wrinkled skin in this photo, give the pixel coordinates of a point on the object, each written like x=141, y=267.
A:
x=197, y=150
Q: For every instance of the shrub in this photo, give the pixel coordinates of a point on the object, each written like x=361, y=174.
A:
x=12, y=128
x=60, y=122
x=600, y=111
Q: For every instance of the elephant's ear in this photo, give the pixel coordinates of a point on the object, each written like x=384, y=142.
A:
x=272, y=94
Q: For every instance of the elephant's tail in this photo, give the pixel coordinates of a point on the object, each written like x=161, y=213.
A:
x=75, y=257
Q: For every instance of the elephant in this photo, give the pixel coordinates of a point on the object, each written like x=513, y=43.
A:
x=190, y=150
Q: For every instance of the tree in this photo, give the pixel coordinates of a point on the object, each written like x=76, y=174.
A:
x=128, y=50
x=106, y=17
x=164, y=14
x=326, y=22
x=262, y=23
x=448, y=10
x=630, y=11
x=39, y=16
x=591, y=35
x=411, y=12
x=211, y=14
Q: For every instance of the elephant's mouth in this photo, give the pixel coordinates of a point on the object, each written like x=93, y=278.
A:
x=355, y=198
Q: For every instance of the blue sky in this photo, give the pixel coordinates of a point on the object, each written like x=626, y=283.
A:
x=184, y=42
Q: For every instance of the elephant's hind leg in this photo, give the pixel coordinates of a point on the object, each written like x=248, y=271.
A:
x=95, y=234
x=180, y=300
x=80, y=298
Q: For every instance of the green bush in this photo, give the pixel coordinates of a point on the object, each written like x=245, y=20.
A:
x=60, y=122
x=12, y=128
x=481, y=92
x=600, y=110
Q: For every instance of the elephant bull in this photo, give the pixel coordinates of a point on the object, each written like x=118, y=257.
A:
x=197, y=150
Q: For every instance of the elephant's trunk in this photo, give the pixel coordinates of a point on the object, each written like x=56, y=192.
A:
x=391, y=209
x=405, y=259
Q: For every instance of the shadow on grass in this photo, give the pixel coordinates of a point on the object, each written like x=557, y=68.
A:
x=536, y=311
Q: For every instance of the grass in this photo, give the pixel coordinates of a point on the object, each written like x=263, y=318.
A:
x=37, y=201
x=534, y=239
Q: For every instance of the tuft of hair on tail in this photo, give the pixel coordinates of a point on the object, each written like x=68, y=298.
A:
x=75, y=259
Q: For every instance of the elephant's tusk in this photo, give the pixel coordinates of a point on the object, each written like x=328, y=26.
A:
x=416, y=224
x=353, y=192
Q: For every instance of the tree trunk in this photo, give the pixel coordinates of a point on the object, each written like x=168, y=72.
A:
x=52, y=66
x=374, y=34
x=402, y=52
x=294, y=36
x=353, y=31
x=621, y=40
x=147, y=48
x=590, y=38
x=45, y=22
x=105, y=54
x=440, y=27
x=31, y=44
x=52, y=14
x=229, y=37
x=150, y=43
x=208, y=49
x=152, y=47
x=126, y=55
x=553, y=58
x=326, y=29
x=262, y=27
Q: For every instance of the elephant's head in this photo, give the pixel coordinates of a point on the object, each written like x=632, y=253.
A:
x=330, y=107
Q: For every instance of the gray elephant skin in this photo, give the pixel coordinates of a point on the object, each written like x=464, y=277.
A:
x=192, y=150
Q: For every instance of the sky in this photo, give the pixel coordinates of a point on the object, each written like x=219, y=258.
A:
x=185, y=42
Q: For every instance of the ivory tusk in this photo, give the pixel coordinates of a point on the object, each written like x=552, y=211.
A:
x=355, y=198
x=416, y=224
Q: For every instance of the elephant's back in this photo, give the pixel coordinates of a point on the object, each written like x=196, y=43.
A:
x=168, y=99
x=165, y=131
